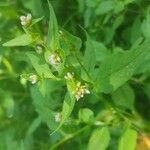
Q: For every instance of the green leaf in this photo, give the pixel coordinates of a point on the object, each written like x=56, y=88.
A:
x=124, y=97
x=86, y=115
x=104, y=7
x=128, y=140
x=99, y=139
x=118, y=68
x=40, y=65
x=52, y=37
x=89, y=59
x=22, y=40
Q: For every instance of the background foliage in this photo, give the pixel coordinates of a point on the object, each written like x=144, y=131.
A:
x=106, y=44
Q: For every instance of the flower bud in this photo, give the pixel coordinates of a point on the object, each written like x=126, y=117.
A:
x=26, y=20
x=54, y=59
x=33, y=78
x=69, y=76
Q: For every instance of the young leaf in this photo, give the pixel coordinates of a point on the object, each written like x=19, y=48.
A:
x=118, y=68
x=128, y=140
x=99, y=139
x=40, y=65
x=52, y=37
x=22, y=40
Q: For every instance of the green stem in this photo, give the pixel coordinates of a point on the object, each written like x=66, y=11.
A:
x=68, y=137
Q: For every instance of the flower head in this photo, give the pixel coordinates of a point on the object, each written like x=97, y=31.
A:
x=54, y=59
x=80, y=91
x=33, y=78
x=69, y=76
x=26, y=20
x=57, y=117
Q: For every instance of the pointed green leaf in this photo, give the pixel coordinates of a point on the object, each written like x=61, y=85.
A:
x=22, y=40
x=99, y=139
x=52, y=37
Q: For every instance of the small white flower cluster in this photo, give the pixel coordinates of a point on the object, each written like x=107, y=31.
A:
x=33, y=78
x=80, y=91
x=26, y=20
x=54, y=59
x=58, y=117
x=69, y=76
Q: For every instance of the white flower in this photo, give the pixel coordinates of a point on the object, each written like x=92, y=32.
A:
x=80, y=91
x=58, y=117
x=69, y=76
x=54, y=59
x=25, y=20
x=33, y=78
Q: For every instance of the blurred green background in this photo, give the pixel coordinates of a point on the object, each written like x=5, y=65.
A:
x=114, y=26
